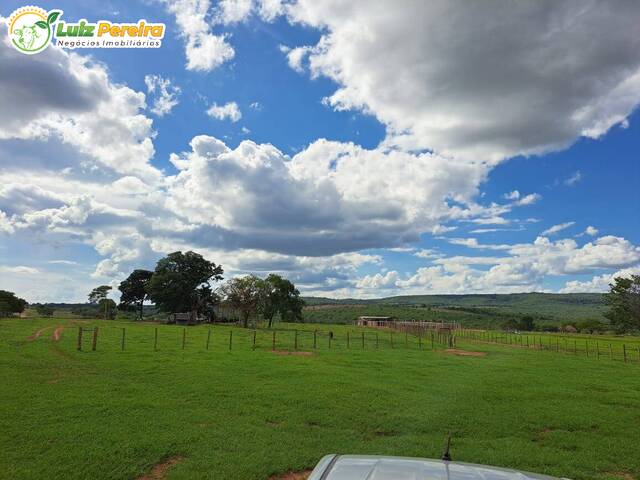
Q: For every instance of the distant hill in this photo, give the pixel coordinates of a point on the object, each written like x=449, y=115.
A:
x=544, y=306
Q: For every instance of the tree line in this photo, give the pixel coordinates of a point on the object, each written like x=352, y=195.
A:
x=182, y=283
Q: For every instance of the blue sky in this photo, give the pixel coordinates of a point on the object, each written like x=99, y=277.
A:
x=351, y=151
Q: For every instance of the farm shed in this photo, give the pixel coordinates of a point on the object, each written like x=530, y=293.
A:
x=185, y=318
x=372, y=321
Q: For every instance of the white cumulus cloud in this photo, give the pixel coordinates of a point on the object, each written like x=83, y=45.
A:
x=164, y=92
x=476, y=82
x=204, y=50
x=229, y=111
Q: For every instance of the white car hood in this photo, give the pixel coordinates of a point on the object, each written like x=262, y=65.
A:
x=364, y=467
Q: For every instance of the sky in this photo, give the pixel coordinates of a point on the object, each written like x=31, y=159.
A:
x=361, y=149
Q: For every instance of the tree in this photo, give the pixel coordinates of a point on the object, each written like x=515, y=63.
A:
x=206, y=300
x=134, y=290
x=98, y=295
x=624, y=303
x=245, y=294
x=526, y=323
x=45, y=310
x=181, y=281
x=510, y=325
x=109, y=307
x=9, y=303
x=281, y=297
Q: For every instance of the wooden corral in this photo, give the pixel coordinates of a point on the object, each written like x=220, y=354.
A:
x=408, y=326
x=372, y=321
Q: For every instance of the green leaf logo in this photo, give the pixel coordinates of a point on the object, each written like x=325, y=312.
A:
x=42, y=24
x=53, y=16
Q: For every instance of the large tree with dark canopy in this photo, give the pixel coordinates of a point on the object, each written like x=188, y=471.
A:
x=281, y=297
x=9, y=303
x=624, y=303
x=181, y=283
x=134, y=290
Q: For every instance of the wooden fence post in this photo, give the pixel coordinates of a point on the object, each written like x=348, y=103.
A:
x=123, y=334
x=94, y=343
x=184, y=336
x=431, y=340
x=155, y=340
x=273, y=343
x=79, y=339
x=315, y=342
x=330, y=337
x=406, y=339
x=230, y=338
x=295, y=340
x=254, y=339
x=624, y=352
x=610, y=352
x=363, y=340
x=575, y=347
x=419, y=341
x=597, y=350
x=208, y=338
x=586, y=347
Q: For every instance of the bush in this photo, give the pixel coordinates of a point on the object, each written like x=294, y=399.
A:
x=590, y=326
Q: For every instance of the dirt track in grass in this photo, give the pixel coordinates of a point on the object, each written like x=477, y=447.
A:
x=159, y=471
x=37, y=334
x=465, y=353
x=57, y=333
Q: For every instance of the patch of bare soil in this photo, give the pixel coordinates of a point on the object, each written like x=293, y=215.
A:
x=159, y=471
x=57, y=333
x=303, y=475
x=385, y=433
x=464, y=353
x=622, y=475
x=35, y=335
x=541, y=435
x=206, y=424
x=272, y=423
x=287, y=352
x=57, y=376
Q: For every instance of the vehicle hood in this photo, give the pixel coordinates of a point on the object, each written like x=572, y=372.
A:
x=365, y=467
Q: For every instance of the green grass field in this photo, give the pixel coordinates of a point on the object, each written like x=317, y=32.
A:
x=250, y=414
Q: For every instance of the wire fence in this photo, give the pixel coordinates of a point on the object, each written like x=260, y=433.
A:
x=232, y=338
x=588, y=348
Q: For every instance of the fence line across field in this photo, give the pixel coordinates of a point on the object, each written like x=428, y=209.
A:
x=281, y=338
x=408, y=336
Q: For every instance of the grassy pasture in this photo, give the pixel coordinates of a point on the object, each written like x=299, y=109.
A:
x=245, y=414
